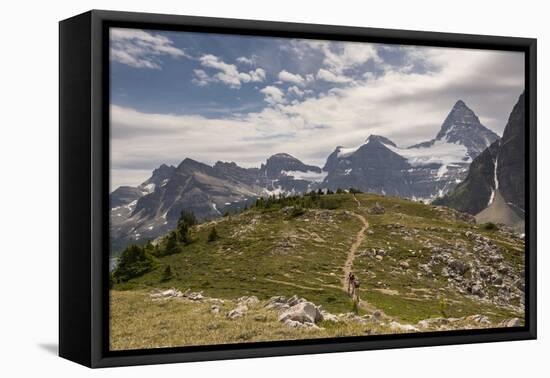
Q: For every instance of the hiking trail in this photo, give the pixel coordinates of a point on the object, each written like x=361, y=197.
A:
x=353, y=249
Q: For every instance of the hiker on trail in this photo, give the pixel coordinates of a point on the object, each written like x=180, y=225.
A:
x=355, y=290
x=351, y=280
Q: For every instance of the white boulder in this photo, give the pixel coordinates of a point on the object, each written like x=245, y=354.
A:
x=302, y=312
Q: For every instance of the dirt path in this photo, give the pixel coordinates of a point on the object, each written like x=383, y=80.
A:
x=353, y=249
x=293, y=284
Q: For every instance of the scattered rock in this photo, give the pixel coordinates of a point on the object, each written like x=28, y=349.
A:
x=237, y=312
x=404, y=265
x=508, y=323
x=459, y=267
x=296, y=324
x=277, y=303
x=195, y=296
x=477, y=289
x=327, y=316
x=248, y=301
x=402, y=327
x=377, y=209
x=482, y=319
x=260, y=318
x=170, y=293
x=302, y=312
x=294, y=300
x=215, y=309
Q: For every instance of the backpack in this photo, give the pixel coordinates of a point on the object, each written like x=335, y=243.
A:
x=356, y=284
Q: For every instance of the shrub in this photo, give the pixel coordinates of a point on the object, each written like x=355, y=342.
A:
x=297, y=211
x=213, y=235
x=133, y=262
x=489, y=226
x=172, y=246
x=329, y=203
x=167, y=274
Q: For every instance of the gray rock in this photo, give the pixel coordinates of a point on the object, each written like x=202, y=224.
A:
x=248, y=301
x=302, y=312
x=260, y=318
x=459, y=267
x=402, y=327
x=195, y=296
x=477, y=289
x=508, y=323
x=327, y=316
x=377, y=210
x=482, y=319
x=162, y=294
x=237, y=312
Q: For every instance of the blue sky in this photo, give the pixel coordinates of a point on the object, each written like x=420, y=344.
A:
x=240, y=98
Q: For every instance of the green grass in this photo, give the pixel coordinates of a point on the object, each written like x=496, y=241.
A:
x=270, y=251
x=258, y=252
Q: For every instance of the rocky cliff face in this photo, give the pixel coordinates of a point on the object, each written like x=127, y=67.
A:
x=500, y=169
x=474, y=194
x=512, y=159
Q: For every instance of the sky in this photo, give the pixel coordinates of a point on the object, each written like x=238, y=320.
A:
x=213, y=97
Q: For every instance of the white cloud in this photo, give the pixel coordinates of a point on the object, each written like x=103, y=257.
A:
x=296, y=91
x=339, y=57
x=405, y=106
x=140, y=49
x=331, y=77
x=273, y=95
x=229, y=73
x=291, y=78
x=257, y=75
x=201, y=78
x=244, y=60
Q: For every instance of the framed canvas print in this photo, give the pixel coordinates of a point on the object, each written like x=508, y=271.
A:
x=234, y=188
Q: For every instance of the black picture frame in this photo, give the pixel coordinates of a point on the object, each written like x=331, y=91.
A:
x=84, y=187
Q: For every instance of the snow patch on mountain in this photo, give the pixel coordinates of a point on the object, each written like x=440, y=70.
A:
x=343, y=152
x=440, y=152
x=307, y=176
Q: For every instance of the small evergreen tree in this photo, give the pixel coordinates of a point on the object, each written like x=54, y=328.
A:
x=186, y=220
x=188, y=217
x=172, y=245
x=133, y=262
x=167, y=274
x=213, y=235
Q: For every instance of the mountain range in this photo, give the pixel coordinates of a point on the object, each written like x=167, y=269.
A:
x=424, y=171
